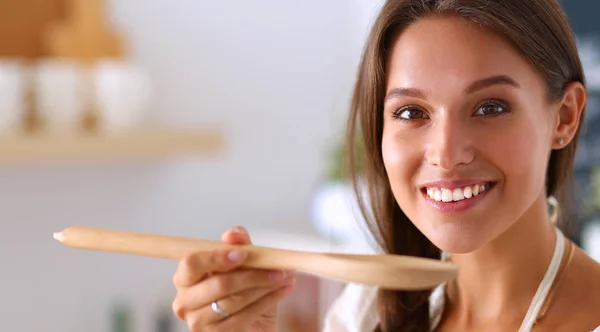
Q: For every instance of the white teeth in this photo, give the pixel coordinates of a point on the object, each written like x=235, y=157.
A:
x=447, y=195
x=468, y=192
x=455, y=195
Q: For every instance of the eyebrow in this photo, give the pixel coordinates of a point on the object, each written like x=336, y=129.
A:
x=491, y=81
x=473, y=87
x=405, y=92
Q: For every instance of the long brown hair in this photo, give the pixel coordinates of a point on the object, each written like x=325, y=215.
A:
x=539, y=29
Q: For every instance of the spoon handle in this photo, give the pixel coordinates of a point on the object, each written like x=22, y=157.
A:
x=385, y=271
x=173, y=247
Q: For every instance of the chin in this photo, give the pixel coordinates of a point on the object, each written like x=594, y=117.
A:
x=454, y=247
x=456, y=239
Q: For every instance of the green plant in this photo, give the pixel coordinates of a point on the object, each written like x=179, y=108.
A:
x=594, y=201
x=336, y=170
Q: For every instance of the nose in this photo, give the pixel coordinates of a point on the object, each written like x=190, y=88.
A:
x=449, y=144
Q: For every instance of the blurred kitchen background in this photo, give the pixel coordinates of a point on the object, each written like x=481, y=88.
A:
x=186, y=118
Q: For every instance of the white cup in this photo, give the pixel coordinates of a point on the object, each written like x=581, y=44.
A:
x=122, y=94
x=62, y=93
x=12, y=95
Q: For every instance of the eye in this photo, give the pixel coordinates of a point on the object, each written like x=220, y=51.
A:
x=410, y=113
x=492, y=108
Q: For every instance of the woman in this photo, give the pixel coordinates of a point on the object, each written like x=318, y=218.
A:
x=469, y=111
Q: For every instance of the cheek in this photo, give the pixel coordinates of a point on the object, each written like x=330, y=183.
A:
x=390, y=150
x=520, y=153
x=401, y=160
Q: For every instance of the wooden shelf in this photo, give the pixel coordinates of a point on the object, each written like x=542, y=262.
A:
x=141, y=144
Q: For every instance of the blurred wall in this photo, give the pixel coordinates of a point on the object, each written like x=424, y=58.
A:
x=276, y=75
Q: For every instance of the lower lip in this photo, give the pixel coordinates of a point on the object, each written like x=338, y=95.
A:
x=459, y=206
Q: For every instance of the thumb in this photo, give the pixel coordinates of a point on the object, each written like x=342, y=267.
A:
x=236, y=235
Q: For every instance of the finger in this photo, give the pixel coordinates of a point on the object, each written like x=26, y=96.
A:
x=199, y=320
x=194, y=267
x=226, y=285
x=235, y=303
x=239, y=235
x=236, y=235
x=243, y=319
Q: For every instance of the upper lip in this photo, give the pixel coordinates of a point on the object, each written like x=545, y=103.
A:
x=453, y=184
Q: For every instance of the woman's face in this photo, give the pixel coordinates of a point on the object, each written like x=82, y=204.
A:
x=468, y=131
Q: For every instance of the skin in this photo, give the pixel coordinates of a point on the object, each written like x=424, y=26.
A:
x=504, y=243
x=250, y=296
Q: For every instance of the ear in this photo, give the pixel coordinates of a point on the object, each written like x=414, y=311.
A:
x=568, y=115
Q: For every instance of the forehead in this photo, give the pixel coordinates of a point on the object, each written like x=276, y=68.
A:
x=450, y=52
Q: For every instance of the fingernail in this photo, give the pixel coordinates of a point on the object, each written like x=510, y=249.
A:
x=291, y=281
x=239, y=229
x=236, y=255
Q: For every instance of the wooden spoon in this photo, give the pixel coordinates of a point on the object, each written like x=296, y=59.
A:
x=385, y=271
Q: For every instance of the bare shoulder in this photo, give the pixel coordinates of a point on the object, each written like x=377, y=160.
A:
x=578, y=295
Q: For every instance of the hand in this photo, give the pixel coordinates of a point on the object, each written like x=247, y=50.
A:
x=248, y=297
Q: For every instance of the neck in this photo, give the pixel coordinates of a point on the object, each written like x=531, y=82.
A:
x=500, y=279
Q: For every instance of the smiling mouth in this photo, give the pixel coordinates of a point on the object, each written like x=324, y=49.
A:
x=446, y=195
